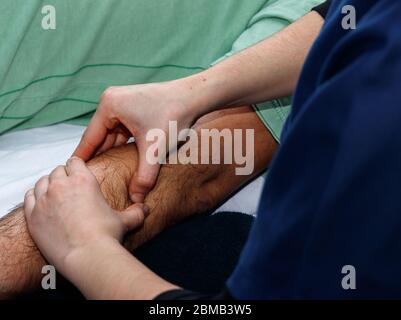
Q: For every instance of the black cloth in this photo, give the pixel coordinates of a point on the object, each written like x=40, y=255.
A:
x=323, y=8
x=198, y=254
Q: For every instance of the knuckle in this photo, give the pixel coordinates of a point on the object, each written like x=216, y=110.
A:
x=145, y=183
x=59, y=168
x=109, y=95
x=41, y=181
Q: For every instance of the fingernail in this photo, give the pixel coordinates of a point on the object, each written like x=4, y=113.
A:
x=136, y=197
x=146, y=210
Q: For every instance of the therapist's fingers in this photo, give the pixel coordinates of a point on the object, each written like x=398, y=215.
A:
x=41, y=187
x=134, y=216
x=123, y=135
x=96, y=132
x=117, y=137
x=29, y=202
x=145, y=177
x=92, y=138
x=75, y=166
x=108, y=143
x=58, y=173
x=120, y=140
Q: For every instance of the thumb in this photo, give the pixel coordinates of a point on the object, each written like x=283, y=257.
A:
x=145, y=177
x=133, y=216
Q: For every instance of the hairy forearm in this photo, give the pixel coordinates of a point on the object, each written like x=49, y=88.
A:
x=19, y=259
x=181, y=191
x=266, y=71
x=186, y=190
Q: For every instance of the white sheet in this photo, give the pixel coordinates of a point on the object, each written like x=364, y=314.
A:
x=27, y=155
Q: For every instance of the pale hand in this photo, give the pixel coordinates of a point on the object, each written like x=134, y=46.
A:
x=131, y=111
x=66, y=211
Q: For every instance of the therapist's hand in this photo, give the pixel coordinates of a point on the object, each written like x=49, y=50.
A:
x=66, y=211
x=129, y=111
x=264, y=72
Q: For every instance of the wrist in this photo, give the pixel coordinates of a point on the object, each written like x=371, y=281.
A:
x=81, y=262
x=105, y=270
x=202, y=93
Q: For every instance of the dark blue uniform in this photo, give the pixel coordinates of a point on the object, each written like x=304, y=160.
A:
x=333, y=195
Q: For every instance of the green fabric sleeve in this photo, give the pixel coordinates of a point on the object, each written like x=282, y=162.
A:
x=276, y=15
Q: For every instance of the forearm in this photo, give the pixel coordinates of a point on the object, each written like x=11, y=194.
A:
x=181, y=191
x=106, y=271
x=266, y=71
x=20, y=260
x=109, y=272
x=186, y=190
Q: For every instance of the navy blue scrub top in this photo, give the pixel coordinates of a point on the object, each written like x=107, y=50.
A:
x=333, y=194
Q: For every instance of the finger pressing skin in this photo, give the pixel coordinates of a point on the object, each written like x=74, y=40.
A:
x=76, y=165
x=108, y=143
x=41, y=187
x=58, y=173
x=29, y=202
x=133, y=216
x=95, y=134
x=115, y=138
x=145, y=178
x=120, y=140
x=123, y=136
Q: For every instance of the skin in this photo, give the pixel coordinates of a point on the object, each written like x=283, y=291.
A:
x=180, y=192
x=248, y=77
x=266, y=71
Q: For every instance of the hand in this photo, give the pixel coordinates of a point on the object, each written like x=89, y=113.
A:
x=133, y=111
x=183, y=190
x=66, y=211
